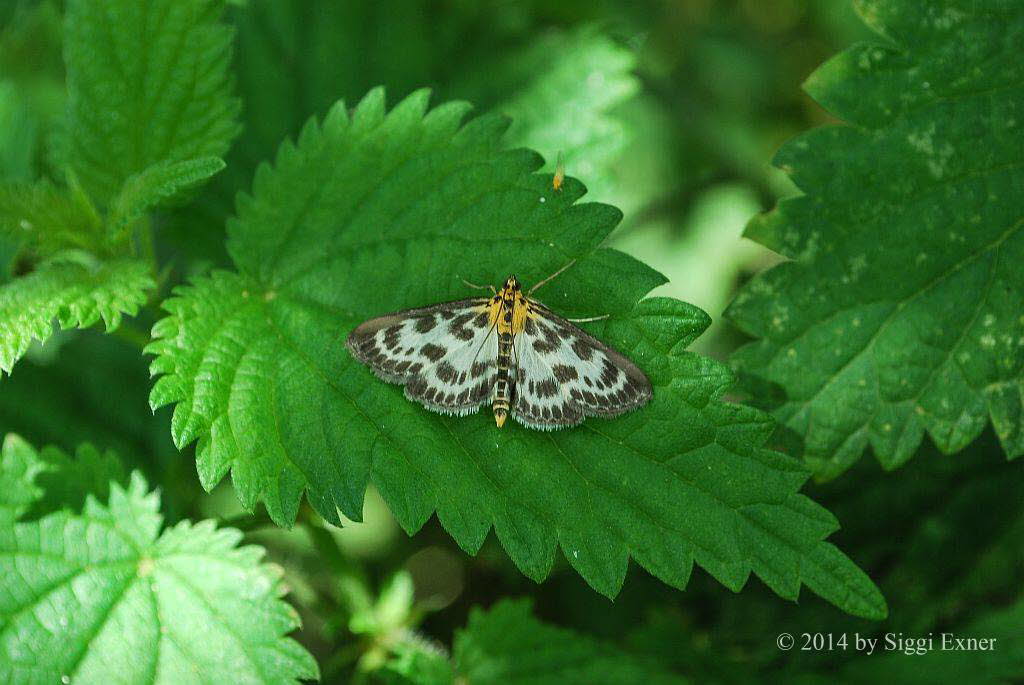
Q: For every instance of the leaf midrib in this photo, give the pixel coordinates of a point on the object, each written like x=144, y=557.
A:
x=898, y=307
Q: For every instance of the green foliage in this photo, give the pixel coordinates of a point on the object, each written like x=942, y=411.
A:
x=898, y=314
x=43, y=219
x=148, y=83
x=19, y=135
x=901, y=312
x=66, y=482
x=106, y=595
x=563, y=89
x=159, y=183
x=507, y=645
x=255, y=362
x=148, y=103
x=77, y=295
x=19, y=466
x=295, y=58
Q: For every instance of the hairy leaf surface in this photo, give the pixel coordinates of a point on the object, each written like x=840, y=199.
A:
x=106, y=596
x=77, y=295
x=375, y=211
x=147, y=83
x=901, y=310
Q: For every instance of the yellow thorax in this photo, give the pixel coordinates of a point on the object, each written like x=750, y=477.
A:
x=509, y=308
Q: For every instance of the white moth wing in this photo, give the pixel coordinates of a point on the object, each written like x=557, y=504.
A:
x=565, y=374
x=445, y=355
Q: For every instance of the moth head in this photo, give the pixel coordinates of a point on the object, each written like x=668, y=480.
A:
x=512, y=283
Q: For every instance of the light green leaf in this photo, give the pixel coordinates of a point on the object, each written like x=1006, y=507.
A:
x=105, y=596
x=374, y=211
x=901, y=311
x=77, y=295
x=157, y=184
x=148, y=82
x=19, y=466
x=507, y=645
x=564, y=87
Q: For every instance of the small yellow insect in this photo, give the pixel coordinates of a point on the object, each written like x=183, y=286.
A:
x=559, y=178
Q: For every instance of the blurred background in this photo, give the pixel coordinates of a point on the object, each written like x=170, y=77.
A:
x=670, y=110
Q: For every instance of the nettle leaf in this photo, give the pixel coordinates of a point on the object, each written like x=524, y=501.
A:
x=77, y=295
x=67, y=482
x=564, y=87
x=901, y=310
x=374, y=211
x=507, y=645
x=158, y=184
x=43, y=218
x=148, y=82
x=19, y=466
x=105, y=595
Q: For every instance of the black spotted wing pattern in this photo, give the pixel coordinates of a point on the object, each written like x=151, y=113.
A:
x=565, y=375
x=444, y=354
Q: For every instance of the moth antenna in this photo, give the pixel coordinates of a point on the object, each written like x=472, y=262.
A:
x=486, y=338
x=478, y=287
x=549, y=278
x=590, y=318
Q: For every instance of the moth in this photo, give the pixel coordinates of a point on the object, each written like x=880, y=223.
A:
x=507, y=350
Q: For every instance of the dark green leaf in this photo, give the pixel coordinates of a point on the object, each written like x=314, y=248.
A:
x=901, y=310
x=156, y=184
x=376, y=211
x=45, y=219
x=507, y=645
x=67, y=481
x=147, y=83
